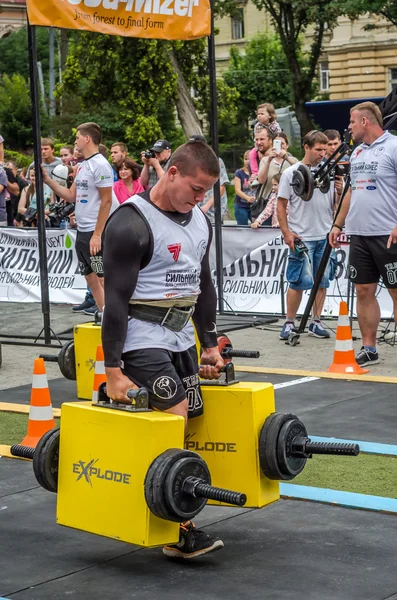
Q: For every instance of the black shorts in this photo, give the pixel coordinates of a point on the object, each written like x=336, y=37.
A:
x=370, y=259
x=169, y=377
x=87, y=263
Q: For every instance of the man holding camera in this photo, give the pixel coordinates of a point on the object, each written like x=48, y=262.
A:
x=370, y=211
x=92, y=193
x=305, y=232
x=155, y=163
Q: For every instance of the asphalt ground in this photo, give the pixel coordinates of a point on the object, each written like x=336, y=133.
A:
x=288, y=550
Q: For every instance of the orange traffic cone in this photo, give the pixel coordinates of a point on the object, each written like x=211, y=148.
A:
x=41, y=418
x=99, y=376
x=344, y=358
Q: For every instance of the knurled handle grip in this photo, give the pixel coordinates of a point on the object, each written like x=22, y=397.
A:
x=233, y=353
x=200, y=489
x=305, y=445
x=141, y=394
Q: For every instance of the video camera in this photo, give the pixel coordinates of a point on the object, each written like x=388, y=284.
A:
x=60, y=211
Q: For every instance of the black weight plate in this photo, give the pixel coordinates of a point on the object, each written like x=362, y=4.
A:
x=308, y=182
x=155, y=480
x=46, y=459
x=67, y=361
x=182, y=506
x=298, y=183
x=268, y=439
x=289, y=465
x=325, y=185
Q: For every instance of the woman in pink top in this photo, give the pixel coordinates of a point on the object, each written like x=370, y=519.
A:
x=129, y=182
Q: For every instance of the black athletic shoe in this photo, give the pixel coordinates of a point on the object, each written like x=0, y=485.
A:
x=192, y=543
x=91, y=310
x=83, y=306
x=367, y=357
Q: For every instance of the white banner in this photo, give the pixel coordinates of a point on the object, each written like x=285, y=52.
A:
x=20, y=266
x=252, y=282
x=251, y=273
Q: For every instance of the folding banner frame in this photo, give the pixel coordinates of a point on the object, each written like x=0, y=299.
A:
x=34, y=91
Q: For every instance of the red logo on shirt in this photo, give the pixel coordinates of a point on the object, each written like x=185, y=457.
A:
x=175, y=250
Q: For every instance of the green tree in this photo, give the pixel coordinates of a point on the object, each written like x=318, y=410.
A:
x=16, y=112
x=294, y=19
x=137, y=79
x=259, y=75
x=383, y=8
x=14, y=57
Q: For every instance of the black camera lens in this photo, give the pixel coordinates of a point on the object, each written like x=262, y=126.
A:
x=149, y=154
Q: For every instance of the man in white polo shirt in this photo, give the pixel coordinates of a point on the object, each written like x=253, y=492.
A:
x=370, y=211
x=92, y=193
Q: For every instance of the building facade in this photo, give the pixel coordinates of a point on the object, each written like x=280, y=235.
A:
x=12, y=16
x=355, y=63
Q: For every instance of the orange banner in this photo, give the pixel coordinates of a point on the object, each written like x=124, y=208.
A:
x=159, y=19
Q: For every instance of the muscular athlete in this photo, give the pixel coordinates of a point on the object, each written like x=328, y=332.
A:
x=156, y=248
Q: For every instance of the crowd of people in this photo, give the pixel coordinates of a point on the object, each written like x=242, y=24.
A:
x=264, y=196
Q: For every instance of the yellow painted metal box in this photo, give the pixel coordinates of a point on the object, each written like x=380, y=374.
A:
x=227, y=437
x=86, y=339
x=103, y=460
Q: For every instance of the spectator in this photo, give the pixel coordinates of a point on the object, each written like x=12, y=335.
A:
x=66, y=154
x=3, y=189
x=310, y=223
x=92, y=193
x=118, y=152
x=49, y=160
x=370, y=211
x=154, y=168
x=129, y=182
x=271, y=207
x=245, y=195
x=207, y=205
x=275, y=161
x=263, y=143
x=334, y=140
x=266, y=119
x=27, y=206
x=12, y=198
x=1, y=150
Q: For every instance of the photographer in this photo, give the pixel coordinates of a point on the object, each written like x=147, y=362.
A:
x=370, y=210
x=155, y=163
x=305, y=232
x=27, y=206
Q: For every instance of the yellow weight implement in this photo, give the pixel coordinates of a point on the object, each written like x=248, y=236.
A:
x=227, y=437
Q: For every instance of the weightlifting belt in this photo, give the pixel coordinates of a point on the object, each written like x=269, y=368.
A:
x=174, y=318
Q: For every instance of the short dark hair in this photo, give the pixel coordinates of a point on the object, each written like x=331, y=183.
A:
x=195, y=155
x=92, y=130
x=332, y=134
x=283, y=136
x=314, y=137
x=103, y=150
x=69, y=148
x=128, y=163
x=276, y=177
x=122, y=146
x=270, y=134
x=47, y=142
